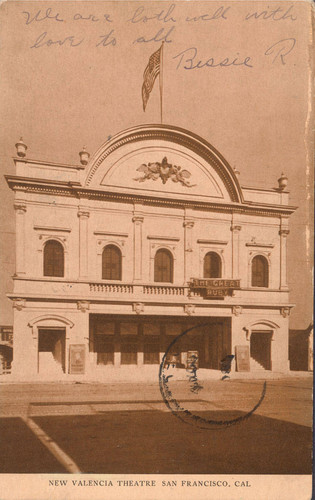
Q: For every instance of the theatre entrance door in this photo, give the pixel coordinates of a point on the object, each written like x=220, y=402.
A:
x=51, y=351
x=260, y=348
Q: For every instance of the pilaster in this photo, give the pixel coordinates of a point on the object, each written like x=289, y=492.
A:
x=83, y=245
x=188, y=229
x=236, y=229
x=137, y=231
x=283, y=233
x=20, y=210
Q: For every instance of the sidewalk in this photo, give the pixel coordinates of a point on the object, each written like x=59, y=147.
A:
x=287, y=399
x=142, y=376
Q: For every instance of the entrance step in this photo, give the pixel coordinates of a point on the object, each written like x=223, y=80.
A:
x=48, y=366
x=255, y=366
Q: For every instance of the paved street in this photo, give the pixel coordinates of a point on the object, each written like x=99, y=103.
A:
x=127, y=428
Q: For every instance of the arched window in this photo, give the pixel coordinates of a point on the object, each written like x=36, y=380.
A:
x=260, y=271
x=53, y=259
x=111, y=263
x=163, y=266
x=212, y=265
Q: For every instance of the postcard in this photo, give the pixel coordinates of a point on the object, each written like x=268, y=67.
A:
x=156, y=334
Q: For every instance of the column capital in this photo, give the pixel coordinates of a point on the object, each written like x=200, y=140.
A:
x=84, y=214
x=235, y=228
x=20, y=207
x=284, y=232
x=138, y=219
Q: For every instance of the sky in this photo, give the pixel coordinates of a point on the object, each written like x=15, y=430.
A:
x=235, y=73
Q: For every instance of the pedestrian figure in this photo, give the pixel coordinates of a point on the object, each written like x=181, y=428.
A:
x=225, y=365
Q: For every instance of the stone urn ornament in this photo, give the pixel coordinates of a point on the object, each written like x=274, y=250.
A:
x=84, y=156
x=21, y=148
x=283, y=182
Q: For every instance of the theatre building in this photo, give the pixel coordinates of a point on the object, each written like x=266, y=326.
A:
x=119, y=255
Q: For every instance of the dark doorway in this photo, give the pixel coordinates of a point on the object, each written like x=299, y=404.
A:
x=154, y=335
x=51, y=341
x=260, y=348
x=6, y=356
x=219, y=346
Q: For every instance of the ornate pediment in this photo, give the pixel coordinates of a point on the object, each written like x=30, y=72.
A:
x=160, y=160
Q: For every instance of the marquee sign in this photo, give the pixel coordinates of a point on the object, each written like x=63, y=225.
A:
x=213, y=288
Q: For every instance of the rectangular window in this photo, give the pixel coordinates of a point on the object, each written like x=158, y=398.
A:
x=129, y=328
x=106, y=358
x=129, y=350
x=174, y=328
x=104, y=346
x=151, y=350
x=151, y=328
x=104, y=328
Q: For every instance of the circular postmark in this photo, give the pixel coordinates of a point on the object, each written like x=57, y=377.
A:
x=174, y=404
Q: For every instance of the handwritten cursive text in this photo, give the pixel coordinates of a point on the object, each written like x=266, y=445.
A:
x=278, y=14
x=220, y=13
x=41, y=17
x=43, y=41
x=163, y=16
x=160, y=36
x=188, y=59
x=281, y=49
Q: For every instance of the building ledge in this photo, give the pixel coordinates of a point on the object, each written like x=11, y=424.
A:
x=47, y=163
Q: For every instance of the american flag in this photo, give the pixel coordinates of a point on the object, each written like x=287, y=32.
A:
x=149, y=76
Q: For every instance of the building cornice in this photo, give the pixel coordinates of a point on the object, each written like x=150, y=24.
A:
x=76, y=190
x=200, y=302
x=264, y=190
x=26, y=182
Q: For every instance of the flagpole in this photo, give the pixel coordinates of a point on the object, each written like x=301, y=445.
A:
x=161, y=83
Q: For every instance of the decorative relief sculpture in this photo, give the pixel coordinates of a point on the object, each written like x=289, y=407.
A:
x=83, y=305
x=20, y=208
x=138, y=307
x=285, y=312
x=164, y=171
x=237, y=310
x=19, y=304
x=189, y=309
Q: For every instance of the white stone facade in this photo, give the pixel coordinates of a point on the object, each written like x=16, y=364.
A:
x=119, y=200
